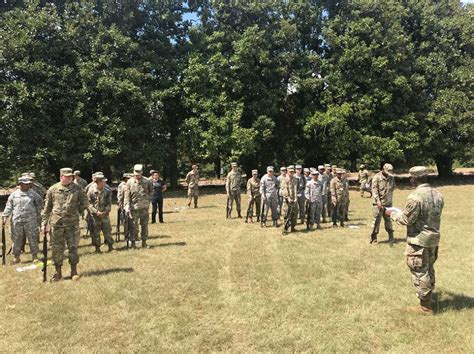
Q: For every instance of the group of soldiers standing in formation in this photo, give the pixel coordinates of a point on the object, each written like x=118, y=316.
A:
x=296, y=193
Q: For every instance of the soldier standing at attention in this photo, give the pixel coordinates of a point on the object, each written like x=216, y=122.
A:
x=81, y=182
x=24, y=205
x=65, y=201
x=253, y=192
x=307, y=174
x=192, y=180
x=363, y=179
x=269, y=186
x=383, y=185
x=120, y=202
x=301, y=184
x=137, y=204
x=232, y=187
x=323, y=177
x=290, y=203
x=422, y=217
x=328, y=192
x=280, y=197
x=159, y=186
x=100, y=204
x=347, y=200
x=314, y=196
x=337, y=198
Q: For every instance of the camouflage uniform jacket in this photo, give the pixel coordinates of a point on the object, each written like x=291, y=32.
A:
x=233, y=182
x=120, y=193
x=422, y=216
x=301, y=185
x=314, y=191
x=99, y=200
x=363, y=176
x=39, y=189
x=81, y=182
x=279, y=178
x=23, y=206
x=63, y=205
x=269, y=187
x=382, y=189
x=253, y=187
x=337, y=189
x=138, y=194
x=323, y=178
x=289, y=188
x=192, y=179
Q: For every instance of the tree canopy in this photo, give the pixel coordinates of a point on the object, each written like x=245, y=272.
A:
x=101, y=85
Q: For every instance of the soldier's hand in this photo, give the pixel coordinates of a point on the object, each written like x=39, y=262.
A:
x=44, y=228
x=379, y=205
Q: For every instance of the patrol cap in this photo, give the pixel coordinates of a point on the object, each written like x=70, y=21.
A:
x=138, y=169
x=233, y=164
x=334, y=167
x=326, y=165
x=25, y=174
x=77, y=173
x=270, y=169
x=362, y=166
x=99, y=176
x=255, y=172
x=298, y=167
x=126, y=175
x=321, y=167
x=418, y=171
x=306, y=169
x=66, y=171
x=283, y=168
x=339, y=170
x=194, y=166
x=24, y=180
x=152, y=172
x=291, y=169
x=314, y=172
x=343, y=170
x=388, y=168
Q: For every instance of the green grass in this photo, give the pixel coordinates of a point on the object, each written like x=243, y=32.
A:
x=210, y=284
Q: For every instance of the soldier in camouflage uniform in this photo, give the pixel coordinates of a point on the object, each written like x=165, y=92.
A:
x=314, y=196
x=232, y=187
x=363, y=179
x=192, y=180
x=253, y=192
x=137, y=204
x=120, y=203
x=330, y=175
x=323, y=178
x=100, y=204
x=269, y=186
x=422, y=217
x=35, y=185
x=81, y=182
x=346, y=195
x=64, y=203
x=301, y=185
x=24, y=205
x=280, y=197
x=290, y=204
x=338, y=200
x=383, y=185
x=86, y=189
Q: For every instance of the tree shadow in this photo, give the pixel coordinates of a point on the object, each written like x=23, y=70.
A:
x=167, y=244
x=97, y=273
x=447, y=301
x=159, y=236
x=397, y=240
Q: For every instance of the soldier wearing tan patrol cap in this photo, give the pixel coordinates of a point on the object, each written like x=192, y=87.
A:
x=65, y=202
x=253, y=193
x=383, y=185
x=232, y=187
x=422, y=217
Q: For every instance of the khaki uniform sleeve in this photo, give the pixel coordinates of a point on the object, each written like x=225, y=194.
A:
x=48, y=207
x=126, y=197
x=409, y=214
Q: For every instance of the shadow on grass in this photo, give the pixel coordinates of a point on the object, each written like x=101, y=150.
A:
x=449, y=301
x=97, y=273
x=159, y=236
x=167, y=244
x=397, y=240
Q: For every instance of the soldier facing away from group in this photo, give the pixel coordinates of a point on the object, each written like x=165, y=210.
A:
x=269, y=186
x=383, y=185
x=363, y=179
x=232, y=187
x=100, y=204
x=253, y=193
x=159, y=187
x=422, y=217
x=137, y=204
x=301, y=185
x=314, y=196
x=338, y=198
x=65, y=201
x=290, y=201
x=24, y=206
x=192, y=180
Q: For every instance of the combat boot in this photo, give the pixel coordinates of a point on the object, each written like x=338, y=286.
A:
x=35, y=259
x=251, y=220
x=239, y=215
x=144, y=244
x=258, y=218
x=319, y=227
x=246, y=219
x=133, y=245
x=74, y=275
x=391, y=239
x=425, y=307
x=97, y=249
x=342, y=224
x=275, y=223
x=373, y=239
x=111, y=247
x=293, y=229
x=58, y=275
x=16, y=260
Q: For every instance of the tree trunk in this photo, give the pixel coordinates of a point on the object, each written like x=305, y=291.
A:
x=444, y=164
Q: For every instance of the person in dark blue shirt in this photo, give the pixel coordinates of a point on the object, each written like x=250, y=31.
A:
x=159, y=186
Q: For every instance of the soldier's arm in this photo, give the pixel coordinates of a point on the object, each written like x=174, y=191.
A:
x=375, y=189
x=8, y=207
x=91, y=199
x=38, y=203
x=48, y=207
x=108, y=205
x=188, y=178
x=249, y=188
x=409, y=214
x=307, y=192
x=227, y=184
x=126, y=198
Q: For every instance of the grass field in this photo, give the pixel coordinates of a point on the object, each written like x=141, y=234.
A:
x=208, y=284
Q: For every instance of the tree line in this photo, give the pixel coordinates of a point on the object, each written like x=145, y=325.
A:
x=104, y=84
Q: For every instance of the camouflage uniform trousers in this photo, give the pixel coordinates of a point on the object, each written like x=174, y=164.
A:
x=233, y=195
x=339, y=211
x=378, y=215
x=270, y=204
x=62, y=236
x=315, y=212
x=325, y=206
x=254, y=202
x=21, y=231
x=290, y=213
x=280, y=206
x=102, y=224
x=193, y=194
x=301, y=207
x=141, y=217
x=420, y=261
